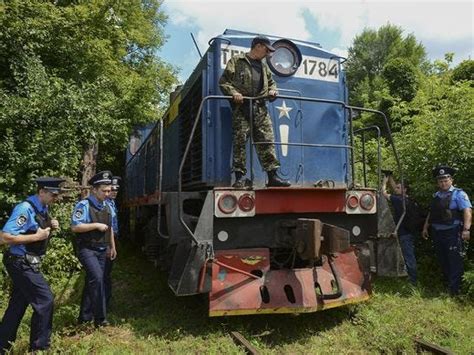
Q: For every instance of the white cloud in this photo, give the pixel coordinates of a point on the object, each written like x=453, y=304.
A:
x=212, y=18
x=342, y=52
x=426, y=19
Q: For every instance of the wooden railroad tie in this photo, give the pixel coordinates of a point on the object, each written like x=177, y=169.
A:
x=240, y=340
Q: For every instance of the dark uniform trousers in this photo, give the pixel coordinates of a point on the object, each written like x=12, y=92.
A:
x=448, y=246
x=29, y=288
x=108, y=280
x=93, y=295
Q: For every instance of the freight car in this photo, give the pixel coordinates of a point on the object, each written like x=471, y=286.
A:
x=304, y=248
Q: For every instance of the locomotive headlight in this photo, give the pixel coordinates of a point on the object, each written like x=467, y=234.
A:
x=246, y=203
x=352, y=201
x=367, y=201
x=227, y=203
x=286, y=59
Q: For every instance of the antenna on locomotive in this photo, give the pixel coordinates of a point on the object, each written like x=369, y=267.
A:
x=195, y=44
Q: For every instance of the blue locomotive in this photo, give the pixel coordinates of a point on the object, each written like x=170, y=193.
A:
x=307, y=247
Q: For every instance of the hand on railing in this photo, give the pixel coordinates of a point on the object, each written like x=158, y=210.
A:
x=272, y=95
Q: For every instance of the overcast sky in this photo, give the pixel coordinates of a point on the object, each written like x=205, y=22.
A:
x=443, y=26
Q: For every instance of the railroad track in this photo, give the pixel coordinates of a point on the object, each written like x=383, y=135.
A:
x=421, y=346
x=240, y=340
x=424, y=346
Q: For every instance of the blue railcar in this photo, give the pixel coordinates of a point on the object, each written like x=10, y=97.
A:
x=260, y=250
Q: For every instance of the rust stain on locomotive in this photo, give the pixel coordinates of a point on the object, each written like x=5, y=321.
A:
x=287, y=290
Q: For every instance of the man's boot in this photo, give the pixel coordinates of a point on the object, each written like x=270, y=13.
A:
x=276, y=181
x=239, y=180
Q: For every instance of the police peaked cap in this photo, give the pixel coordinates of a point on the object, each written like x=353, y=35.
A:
x=101, y=178
x=263, y=40
x=116, y=182
x=50, y=184
x=443, y=171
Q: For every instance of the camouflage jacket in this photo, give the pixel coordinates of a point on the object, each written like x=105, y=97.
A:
x=237, y=77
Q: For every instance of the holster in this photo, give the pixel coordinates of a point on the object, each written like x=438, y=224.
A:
x=33, y=261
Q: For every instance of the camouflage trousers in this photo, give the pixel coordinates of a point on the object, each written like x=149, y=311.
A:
x=262, y=132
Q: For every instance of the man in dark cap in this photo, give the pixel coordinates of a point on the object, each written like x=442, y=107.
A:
x=115, y=226
x=92, y=222
x=249, y=75
x=27, y=233
x=450, y=220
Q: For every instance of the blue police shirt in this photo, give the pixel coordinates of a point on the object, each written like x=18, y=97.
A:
x=81, y=211
x=23, y=220
x=113, y=210
x=459, y=201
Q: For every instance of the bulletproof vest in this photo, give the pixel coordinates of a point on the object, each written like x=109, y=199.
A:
x=440, y=212
x=97, y=238
x=44, y=221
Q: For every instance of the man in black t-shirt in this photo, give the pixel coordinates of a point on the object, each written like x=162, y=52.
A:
x=405, y=235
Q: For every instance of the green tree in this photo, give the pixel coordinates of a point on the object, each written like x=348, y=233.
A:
x=75, y=74
x=383, y=69
x=441, y=132
x=464, y=71
x=401, y=78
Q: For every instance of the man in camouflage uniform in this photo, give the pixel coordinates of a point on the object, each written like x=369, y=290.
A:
x=249, y=75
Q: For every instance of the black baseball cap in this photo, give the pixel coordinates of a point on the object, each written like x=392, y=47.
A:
x=263, y=40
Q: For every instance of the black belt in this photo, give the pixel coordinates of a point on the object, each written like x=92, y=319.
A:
x=9, y=255
x=32, y=260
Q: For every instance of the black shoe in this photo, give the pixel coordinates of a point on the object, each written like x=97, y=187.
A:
x=83, y=321
x=275, y=181
x=239, y=184
x=102, y=323
x=239, y=180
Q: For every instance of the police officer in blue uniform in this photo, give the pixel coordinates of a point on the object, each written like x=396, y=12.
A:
x=115, y=226
x=92, y=222
x=27, y=233
x=450, y=220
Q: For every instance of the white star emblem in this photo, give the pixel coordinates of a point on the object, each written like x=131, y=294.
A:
x=284, y=111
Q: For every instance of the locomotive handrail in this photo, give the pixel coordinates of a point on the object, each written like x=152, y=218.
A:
x=185, y=155
x=302, y=98
x=379, y=171
x=397, y=160
x=379, y=153
x=160, y=184
x=350, y=108
x=316, y=145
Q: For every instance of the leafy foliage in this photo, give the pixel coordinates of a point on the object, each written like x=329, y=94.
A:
x=401, y=78
x=429, y=107
x=441, y=132
x=71, y=73
x=370, y=53
x=464, y=71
